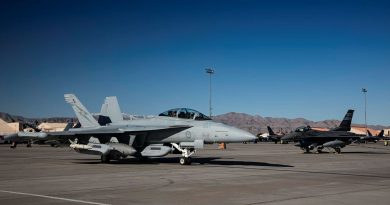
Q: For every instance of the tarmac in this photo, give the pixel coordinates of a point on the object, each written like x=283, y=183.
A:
x=263, y=173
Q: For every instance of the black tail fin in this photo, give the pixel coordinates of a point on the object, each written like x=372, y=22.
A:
x=270, y=131
x=77, y=125
x=104, y=120
x=68, y=126
x=369, y=133
x=381, y=133
x=345, y=125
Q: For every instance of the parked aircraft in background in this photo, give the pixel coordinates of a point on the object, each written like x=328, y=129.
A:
x=262, y=137
x=180, y=130
x=371, y=138
x=110, y=110
x=272, y=136
x=336, y=138
x=33, y=139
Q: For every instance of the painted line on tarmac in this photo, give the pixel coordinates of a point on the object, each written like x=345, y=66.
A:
x=52, y=197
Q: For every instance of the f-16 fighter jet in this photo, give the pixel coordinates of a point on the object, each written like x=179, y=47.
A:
x=336, y=138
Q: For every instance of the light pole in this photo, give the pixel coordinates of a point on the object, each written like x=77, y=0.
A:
x=210, y=71
x=365, y=107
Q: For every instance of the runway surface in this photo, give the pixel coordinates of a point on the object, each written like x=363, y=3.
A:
x=262, y=173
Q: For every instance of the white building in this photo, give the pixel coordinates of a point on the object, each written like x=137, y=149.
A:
x=52, y=127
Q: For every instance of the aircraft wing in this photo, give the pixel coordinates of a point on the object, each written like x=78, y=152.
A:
x=104, y=134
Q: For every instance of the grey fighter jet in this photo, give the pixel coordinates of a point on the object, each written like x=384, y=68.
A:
x=180, y=130
x=336, y=138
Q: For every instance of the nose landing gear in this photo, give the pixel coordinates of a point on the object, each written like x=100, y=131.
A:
x=186, y=153
x=185, y=160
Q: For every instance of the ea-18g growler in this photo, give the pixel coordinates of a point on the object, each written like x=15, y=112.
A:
x=179, y=130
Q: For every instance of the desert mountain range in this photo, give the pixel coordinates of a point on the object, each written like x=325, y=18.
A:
x=252, y=123
x=257, y=124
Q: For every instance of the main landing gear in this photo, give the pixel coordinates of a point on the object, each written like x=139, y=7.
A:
x=29, y=143
x=338, y=150
x=306, y=150
x=105, y=159
x=186, y=153
x=319, y=150
x=13, y=145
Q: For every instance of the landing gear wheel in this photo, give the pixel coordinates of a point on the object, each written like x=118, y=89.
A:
x=319, y=150
x=13, y=145
x=105, y=159
x=142, y=158
x=185, y=160
x=338, y=150
x=186, y=153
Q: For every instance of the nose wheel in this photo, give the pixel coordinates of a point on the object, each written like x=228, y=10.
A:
x=185, y=160
x=186, y=153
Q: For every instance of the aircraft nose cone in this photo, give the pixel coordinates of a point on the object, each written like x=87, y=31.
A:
x=246, y=136
x=233, y=134
x=251, y=137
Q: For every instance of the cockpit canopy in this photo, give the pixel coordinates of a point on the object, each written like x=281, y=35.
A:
x=303, y=129
x=185, y=113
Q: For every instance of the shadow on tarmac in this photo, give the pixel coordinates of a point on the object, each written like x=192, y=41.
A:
x=356, y=152
x=217, y=161
x=175, y=160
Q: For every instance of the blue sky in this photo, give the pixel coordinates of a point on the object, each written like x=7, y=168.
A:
x=272, y=58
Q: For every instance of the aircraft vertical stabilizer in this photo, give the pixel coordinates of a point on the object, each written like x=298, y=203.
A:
x=345, y=125
x=381, y=133
x=111, y=109
x=68, y=126
x=85, y=118
x=270, y=131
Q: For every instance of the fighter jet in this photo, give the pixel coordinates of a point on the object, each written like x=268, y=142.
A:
x=181, y=130
x=336, y=138
x=272, y=136
x=34, y=140
x=110, y=110
x=371, y=138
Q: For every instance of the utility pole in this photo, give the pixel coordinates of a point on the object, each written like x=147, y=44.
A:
x=210, y=71
x=365, y=107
